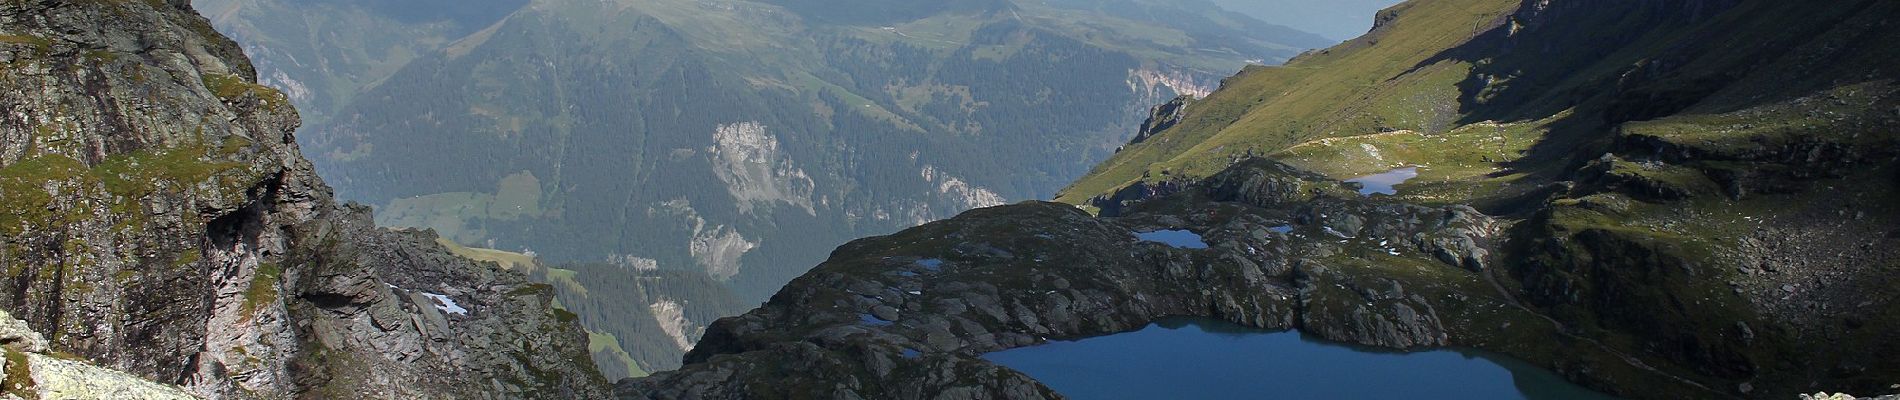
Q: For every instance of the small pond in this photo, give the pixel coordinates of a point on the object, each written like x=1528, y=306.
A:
x=1383, y=182
x=1185, y=358
x=1178, y=238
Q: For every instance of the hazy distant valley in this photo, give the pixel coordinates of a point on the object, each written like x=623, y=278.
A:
x=695, y=155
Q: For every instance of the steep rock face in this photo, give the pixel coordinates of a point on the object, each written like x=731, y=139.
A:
x=1162, y=117
x=160, y=220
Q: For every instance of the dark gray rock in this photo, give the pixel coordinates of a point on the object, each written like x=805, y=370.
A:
x=850, y=321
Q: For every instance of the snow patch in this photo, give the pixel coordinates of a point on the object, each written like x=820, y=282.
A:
x=445, y=304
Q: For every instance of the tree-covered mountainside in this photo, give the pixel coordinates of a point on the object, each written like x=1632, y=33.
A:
x=1658, y=199
x=323, y=53
x=739, y=140
x=737, y=137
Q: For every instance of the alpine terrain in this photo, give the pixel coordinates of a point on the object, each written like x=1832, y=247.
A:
x=1658, y=199
x=698, y=154
x=1647, y=199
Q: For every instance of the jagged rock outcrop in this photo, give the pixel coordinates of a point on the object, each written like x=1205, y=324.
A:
x=159, y=219
x=1162, y=117
x=1113, y=204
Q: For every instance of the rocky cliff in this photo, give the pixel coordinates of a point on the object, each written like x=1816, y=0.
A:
x=159, y=219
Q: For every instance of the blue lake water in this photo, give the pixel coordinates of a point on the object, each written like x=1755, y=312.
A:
x=1208, y=359
x=1174, y=237
x=1383, y=182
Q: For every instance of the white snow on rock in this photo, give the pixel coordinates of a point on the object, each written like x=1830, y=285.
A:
x=446, y=304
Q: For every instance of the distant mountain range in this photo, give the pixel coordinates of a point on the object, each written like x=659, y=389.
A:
x=1338, y=20
x=736, y=140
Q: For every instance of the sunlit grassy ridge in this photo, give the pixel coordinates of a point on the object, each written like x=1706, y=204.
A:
x=1369, y=85
x=1446, y=70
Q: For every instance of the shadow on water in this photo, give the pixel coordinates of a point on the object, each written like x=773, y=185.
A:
x=1205, y=358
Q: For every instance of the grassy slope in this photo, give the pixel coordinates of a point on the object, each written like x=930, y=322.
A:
x=1434, y=70
x=598, y=342
x=459, y=215
x=508, y=260
x=1360, y=87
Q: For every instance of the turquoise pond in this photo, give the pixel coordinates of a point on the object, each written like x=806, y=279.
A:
x=1208, y=359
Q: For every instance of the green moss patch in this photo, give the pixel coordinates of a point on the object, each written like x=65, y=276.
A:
x=607, y=351
x=41, y=46
x=19, y=380
x=263, y=290
x=140, y=173
x=24, y=201
x=233, y=88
